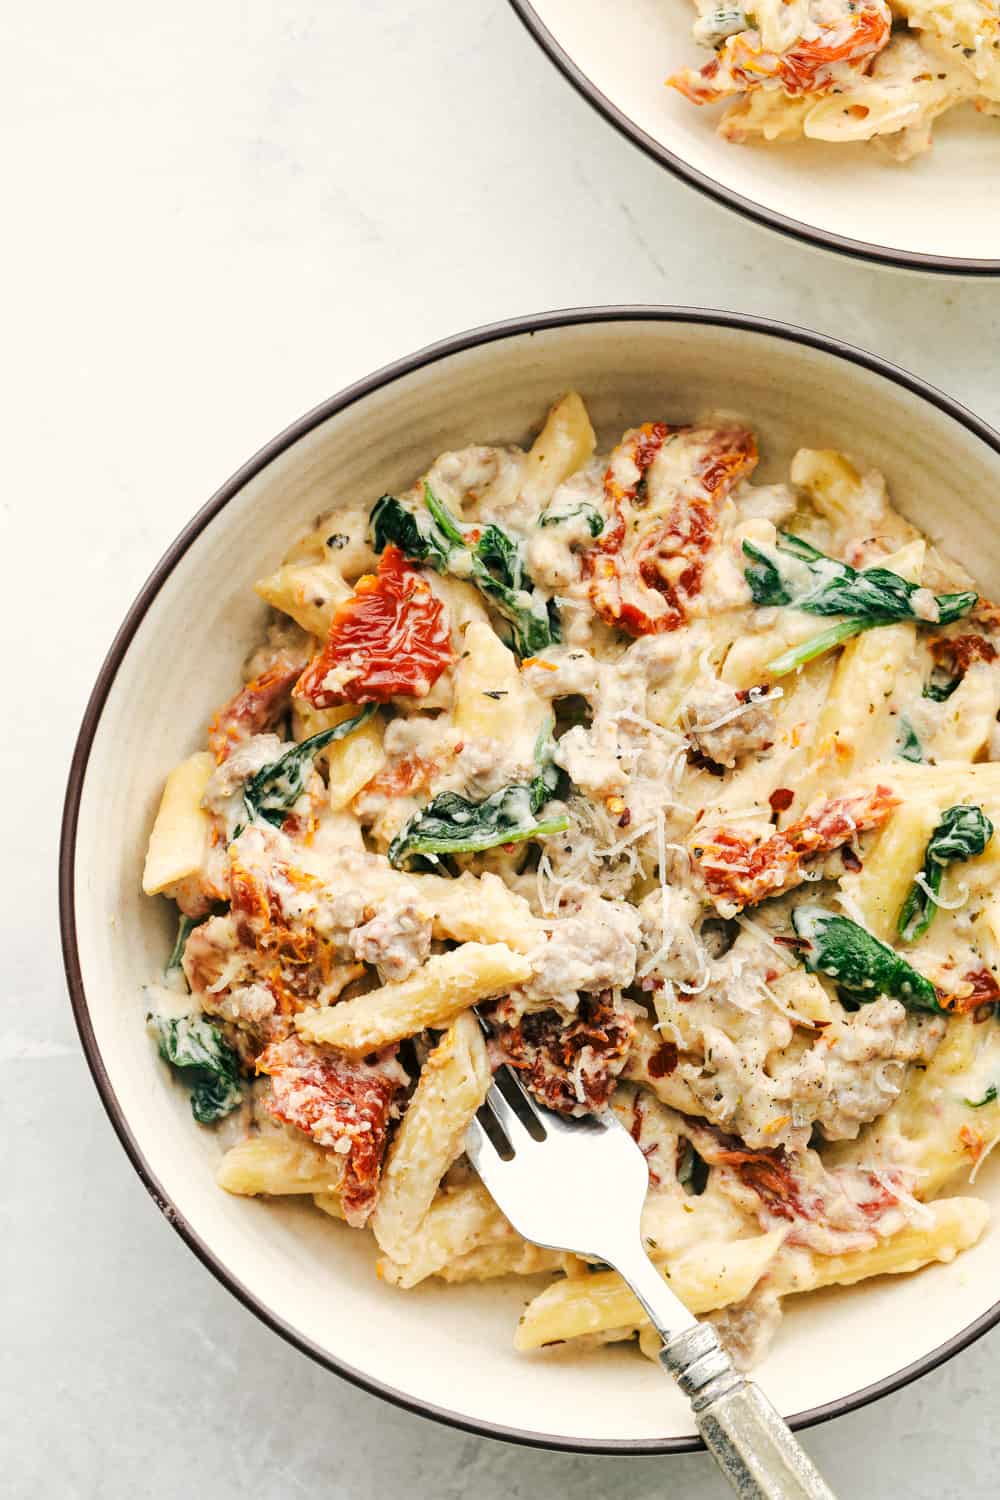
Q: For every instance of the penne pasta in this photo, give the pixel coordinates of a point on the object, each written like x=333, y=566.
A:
x=671, y=791
x=563, y=446
x=453, y=1083
x=276, y=1165
x=446, y=985
x=703, y=1279
x=309, y=592
x=179, y=839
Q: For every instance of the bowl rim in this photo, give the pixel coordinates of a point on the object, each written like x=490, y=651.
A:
x=430, y=355
x=768, y=218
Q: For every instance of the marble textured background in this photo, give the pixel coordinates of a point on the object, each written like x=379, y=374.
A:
x=214, y=216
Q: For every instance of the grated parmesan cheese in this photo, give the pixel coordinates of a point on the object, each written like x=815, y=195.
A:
x=742, y=708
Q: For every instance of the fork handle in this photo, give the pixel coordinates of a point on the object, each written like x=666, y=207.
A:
x=750, y=1442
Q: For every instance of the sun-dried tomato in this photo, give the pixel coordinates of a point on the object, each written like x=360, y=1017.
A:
x=571, y=1066
x=410, y=773
x=343, y=1105
x=743, y=64
x=256, y=708
x=972, y=1141
x=296, y=961
x=801, y=68
x=978, y=987
x=646, y=571
x=738, y=872
x=663, y=1061
x=956, y=653
x=390, y=637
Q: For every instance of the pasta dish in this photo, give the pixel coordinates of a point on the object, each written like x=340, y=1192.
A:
x=672, y=791
x=845, y=70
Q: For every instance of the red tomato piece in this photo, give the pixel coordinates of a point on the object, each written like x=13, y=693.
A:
x=738, y=872
x=256, y=708
x=343, y=1105
x=571, y=1066
x=391, y=637
x=411, y=773
x=769, y=1174
x=977, y=987
x=956, y=653
x=802, y=69
x=646, y=572
x=743, y=65
x=296, y=962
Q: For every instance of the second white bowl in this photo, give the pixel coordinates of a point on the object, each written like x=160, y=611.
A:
x=940, y=212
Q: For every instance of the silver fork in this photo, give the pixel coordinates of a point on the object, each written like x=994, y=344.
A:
x=580, y=1185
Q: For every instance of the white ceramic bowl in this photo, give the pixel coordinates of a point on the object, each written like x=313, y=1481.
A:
x=940, y=212
x=447, y=1351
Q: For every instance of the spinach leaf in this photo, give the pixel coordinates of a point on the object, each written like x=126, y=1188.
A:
x=796, y=574
x=818, y=645
x=768, y=585
x=453, y=824
x=204, y=1061
x=486, y=556
x=939, y=686
x=589, y=513
x=988, y=1098
x=962, y=833
x=419, y=537
x=714, y=27
x=185, y=927
x=275, y=788
x=859, y=962
x=499, y=552
x=908, y=746
x=692, y=1173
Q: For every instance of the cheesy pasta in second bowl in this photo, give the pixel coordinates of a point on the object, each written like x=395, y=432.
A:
x=833, y=70
x=805, y=111
x=658, y=741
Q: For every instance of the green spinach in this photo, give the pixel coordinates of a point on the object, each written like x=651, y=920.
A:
x=486, y=556
x=796, y=574
x=453, y=824
x=692, y=1172
x=940, y=686
x=858, y=961
x=275, y=788
x=908, y=746
x=988, y=1098
x=962, y=833
x=185, y=927
x=588, y=513
x=208, y=1066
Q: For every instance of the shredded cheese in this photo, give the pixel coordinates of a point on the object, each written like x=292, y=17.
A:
x=741, y=708
x=763, y=936
x=918, y=1211
x=982, y=1157
x=920, y=879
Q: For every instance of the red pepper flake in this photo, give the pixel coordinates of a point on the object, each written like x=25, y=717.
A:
x=781, y=799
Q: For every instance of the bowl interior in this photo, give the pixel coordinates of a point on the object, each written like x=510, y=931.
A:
x=451, y=1347
x=936, y=205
